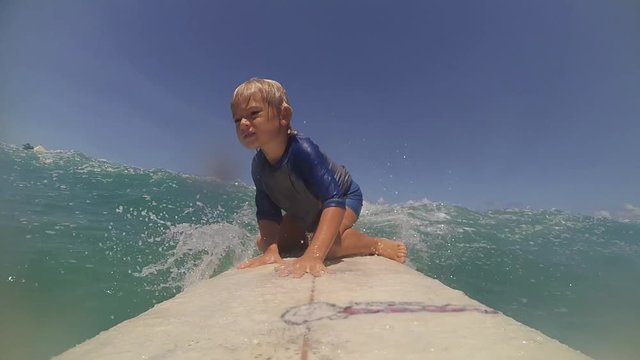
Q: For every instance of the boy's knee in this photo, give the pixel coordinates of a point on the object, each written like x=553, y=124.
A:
x=344, y=227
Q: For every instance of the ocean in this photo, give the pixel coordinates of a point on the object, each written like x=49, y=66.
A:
x=87, y=243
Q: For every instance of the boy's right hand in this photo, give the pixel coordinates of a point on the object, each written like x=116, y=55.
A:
x=264, y=259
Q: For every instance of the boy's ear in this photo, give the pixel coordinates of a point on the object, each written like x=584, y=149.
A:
x=285, y=114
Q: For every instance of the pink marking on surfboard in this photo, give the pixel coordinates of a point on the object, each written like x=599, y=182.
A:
x=314, y=311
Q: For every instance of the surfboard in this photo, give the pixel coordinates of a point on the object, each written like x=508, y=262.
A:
x=368, y=307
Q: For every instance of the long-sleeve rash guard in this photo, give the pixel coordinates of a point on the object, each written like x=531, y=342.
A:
x=302, y=183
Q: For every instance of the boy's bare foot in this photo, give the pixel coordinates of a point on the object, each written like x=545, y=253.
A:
x=391, y=249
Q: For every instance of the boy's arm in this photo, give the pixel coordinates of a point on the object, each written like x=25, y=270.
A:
x=313, y=168
x=325, y=234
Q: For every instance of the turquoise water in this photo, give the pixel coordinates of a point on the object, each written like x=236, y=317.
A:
x=86, y=244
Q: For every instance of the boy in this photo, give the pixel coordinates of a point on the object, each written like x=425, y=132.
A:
x=292, y=174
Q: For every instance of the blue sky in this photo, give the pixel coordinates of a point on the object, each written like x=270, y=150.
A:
x=478, y=103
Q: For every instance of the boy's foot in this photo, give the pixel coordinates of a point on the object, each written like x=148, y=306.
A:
x=391, y=249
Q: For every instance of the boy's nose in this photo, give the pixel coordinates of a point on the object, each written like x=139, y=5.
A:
x=244, y=122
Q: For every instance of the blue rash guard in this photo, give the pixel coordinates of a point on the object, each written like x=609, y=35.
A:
x=302, y=183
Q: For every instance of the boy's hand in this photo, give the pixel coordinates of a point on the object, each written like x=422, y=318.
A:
x=264, y=259
x=302, y=265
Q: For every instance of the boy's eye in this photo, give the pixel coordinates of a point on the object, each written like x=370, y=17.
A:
x=255, y=113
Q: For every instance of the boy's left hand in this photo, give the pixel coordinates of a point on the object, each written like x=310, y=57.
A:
x=302, y=265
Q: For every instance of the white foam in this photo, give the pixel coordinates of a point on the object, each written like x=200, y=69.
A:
x=198, y=251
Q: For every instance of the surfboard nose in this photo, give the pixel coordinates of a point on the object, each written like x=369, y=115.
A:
x=369, y=308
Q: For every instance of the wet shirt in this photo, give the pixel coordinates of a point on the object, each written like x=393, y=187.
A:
x=302, y=183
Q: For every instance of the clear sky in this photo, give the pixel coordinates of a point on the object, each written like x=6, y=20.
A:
x=478, y=103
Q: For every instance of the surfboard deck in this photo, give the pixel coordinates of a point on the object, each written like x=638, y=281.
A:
x=369, y=307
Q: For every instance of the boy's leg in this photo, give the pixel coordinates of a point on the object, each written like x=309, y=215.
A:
x=351, y=242
x=292, y=237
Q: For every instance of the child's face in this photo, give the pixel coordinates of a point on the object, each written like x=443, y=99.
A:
x=257, y=124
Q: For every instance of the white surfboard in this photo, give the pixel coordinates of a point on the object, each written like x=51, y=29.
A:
x=368, y=308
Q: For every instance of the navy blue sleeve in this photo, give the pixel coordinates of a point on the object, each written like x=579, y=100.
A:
x=312, y=166
x=266, y=208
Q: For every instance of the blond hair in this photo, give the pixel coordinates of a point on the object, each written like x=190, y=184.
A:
x=271, y=91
